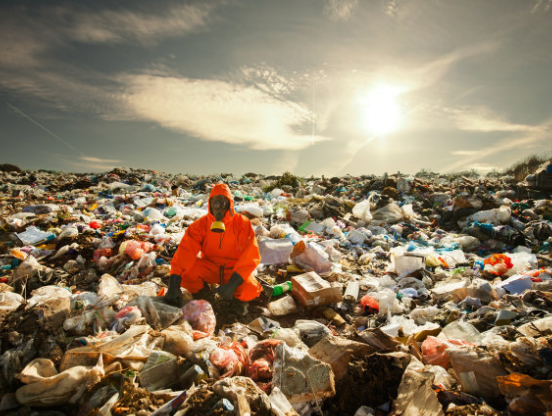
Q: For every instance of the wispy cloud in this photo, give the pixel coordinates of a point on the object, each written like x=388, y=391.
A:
x=219, y=111
x=538, y=138
x=392, y=8
x=267, y=79
x=432, y=72
x=544, y=5
x=482, y=119
x=340, y=9
x=464, y=152
x=99, y=160
x=144, y=27
x=26, y=38
x=92, y=164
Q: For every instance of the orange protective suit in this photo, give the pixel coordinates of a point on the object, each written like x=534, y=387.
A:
x=204, y=256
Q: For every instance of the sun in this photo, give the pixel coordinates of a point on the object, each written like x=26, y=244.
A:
x=381, y=111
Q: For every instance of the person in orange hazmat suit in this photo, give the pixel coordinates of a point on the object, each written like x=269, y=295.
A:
x=218, y=248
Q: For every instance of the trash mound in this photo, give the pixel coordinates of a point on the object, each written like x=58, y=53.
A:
x=381, y=296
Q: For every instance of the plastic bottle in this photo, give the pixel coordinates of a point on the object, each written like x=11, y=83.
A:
x=194, y=374
x=281, y=288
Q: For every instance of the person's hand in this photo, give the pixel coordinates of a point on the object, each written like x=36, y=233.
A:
x=174, y=297
x=227, y=290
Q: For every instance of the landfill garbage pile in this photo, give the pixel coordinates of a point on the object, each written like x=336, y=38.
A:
x=387, y=295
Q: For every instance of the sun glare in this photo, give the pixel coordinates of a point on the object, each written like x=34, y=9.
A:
x=381, y=111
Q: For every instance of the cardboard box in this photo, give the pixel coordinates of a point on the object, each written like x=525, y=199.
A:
x=310, y=291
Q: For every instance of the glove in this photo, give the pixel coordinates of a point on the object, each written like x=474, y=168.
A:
x=227, y=290
x=204, y=294
x=174, y=295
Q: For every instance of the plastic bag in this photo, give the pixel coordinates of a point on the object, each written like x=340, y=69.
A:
x=135, y=249
x=434, y=350
x=92, y=320
x=9, y=302
x=311, y=256
x=362, y=210
x=157, y=314
x=109, y=289
x=387, y=301
x=498, y=264
x=231, y=359
x=68, y=232
x=389, y=214
x=178, y=339
x=153, y=214
x=369, y=304
x=47, y=293
x=461, y=330
x=200, y=315
x=275, y=251
x=125, y=318
x=408, y=212
x=261, y=358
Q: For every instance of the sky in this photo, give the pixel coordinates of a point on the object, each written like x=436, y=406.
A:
x=312, y=87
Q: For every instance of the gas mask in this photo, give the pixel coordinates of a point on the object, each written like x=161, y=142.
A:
x=219, y=205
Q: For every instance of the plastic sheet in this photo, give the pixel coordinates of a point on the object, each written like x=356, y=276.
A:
x=47, y=389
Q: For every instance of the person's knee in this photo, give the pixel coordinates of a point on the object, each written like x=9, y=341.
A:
x=249, y=290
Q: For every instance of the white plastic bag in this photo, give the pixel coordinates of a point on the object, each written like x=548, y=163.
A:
x=362, y=210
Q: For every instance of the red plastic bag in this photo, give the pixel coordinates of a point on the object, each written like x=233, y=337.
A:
x=200, y=315
x=136, y=249
x=369, y=304
x=434, y=350
x=95, y=224
x=261, y=358
x=498, y=264
x=231, y=358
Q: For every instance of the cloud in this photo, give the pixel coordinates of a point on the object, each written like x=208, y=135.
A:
x=531, y=139
x=482, y=119
x=267, y=79
x=144, y=27
x=99, y=160
x=544, y=5
x=340, y=9
x=219, y=111
x=26, y=38
x=429, y=74
x=464, y=152
x=392, y=8
x=92, y=164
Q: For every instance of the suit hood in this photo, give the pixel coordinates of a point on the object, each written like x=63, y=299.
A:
x=221, y=189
